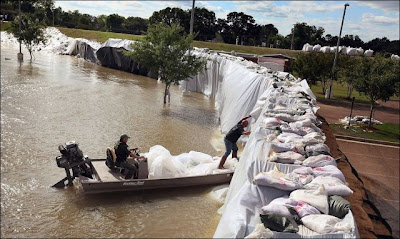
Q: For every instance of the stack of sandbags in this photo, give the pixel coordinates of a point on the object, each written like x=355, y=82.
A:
x=368, y=53
x=307, y=47
x=395, y=57
x=325, y=49
x=360, y=51
x=317, y=48
x=351, y=51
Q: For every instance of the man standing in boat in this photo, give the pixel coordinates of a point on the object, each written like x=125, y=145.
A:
x=231, y=138
x=122, y=152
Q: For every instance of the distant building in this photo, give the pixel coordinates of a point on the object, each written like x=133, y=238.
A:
x=276, y=62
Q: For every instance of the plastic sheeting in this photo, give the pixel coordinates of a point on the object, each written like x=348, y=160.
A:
x=115, y=58
x=244, y=199
x=236, y=85
x=119, y=43
x=162, y=164
x=83, y=50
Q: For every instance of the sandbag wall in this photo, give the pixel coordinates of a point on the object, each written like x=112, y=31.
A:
x=285, y=181
x=110, y=54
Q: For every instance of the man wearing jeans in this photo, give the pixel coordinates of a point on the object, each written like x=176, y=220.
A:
x=232, y=137
x=122, y=151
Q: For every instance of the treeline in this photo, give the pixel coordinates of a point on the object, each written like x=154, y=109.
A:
x=237, y=28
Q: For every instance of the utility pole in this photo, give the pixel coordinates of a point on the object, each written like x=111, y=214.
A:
x=20, y=56
x=191, y=33
x=291, y=45
x=192, y=18
x=329, y=92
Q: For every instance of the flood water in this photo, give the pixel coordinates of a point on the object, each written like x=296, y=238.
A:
x=56, y=99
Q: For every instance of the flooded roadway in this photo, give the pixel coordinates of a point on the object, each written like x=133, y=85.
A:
x=56, y=99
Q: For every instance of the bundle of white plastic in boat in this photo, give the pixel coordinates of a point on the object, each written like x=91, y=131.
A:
x=162, y=164
x=285, y=156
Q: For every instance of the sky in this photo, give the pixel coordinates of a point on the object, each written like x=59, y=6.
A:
x=368, y=19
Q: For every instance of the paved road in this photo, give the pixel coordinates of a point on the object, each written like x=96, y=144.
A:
x=378, y=167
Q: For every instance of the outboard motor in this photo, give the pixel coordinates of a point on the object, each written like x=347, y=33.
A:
x=72, y=158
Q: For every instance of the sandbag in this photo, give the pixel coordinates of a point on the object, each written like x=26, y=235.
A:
x=303, y=170
x=338, y=206
x=277, y=179
x=283, y=147
x=304, y=209
x=279, y=206
x=280, y=223
x=325, y=224
x=368, y=53
x=272, y=122
x=316, y=198
x=288, y=137
x=360, y=51
x=329, y=170
x=288, y=157
x=316, y=149
x=317, y=48
x=325, y=49
x=260, y=232
x=319, y=161
x=332, y=185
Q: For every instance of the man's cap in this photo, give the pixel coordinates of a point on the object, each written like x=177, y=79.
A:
x=124, y=136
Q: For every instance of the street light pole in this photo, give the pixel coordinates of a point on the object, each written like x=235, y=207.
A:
x=192, y=18
x=291, y=45
x=191, y=33
x=20, y=56
x=328, y=93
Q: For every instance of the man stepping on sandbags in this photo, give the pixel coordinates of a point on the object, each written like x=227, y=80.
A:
x=232, y=137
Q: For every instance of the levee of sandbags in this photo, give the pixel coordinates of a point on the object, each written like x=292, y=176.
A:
x=83, y=50
x=115, y=58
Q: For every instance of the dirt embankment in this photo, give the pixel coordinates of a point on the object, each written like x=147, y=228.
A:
x=368, y=218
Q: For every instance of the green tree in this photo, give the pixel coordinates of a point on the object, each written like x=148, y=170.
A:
x=31, y=32
x=347, y=72
x=136, y=25
x=164, y=50
x=204, y=23
x=171, y=16
x=114, y=22
x=377, y=79
x=314, y=67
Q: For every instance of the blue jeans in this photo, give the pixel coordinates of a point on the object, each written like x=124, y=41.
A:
x=229, y=146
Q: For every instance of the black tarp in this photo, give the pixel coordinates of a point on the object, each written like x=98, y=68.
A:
x=82, y=50
x=115, y=58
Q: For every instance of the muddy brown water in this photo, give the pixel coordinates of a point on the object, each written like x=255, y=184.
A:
x=57, y=98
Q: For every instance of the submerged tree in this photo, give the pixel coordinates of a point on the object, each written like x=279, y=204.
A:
x=377, y=79
x=31, y=34
x=164, y=50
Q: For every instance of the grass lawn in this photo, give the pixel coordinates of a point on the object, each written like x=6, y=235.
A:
x=96, y=35
x=387, y=132
x=339, y=93
x=103, y=36
x=5, y=26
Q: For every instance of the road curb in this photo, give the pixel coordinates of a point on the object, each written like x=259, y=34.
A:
x=339, y=136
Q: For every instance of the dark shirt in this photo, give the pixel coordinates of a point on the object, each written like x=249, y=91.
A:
x=122, y=152
x=234, y=134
